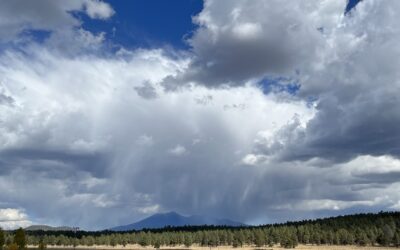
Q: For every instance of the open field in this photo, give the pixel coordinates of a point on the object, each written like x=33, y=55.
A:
x=138, y=247
x=308, y=247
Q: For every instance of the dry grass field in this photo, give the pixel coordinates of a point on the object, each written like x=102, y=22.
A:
x=303, y=247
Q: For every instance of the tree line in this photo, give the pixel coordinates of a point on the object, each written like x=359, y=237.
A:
x=381, y=229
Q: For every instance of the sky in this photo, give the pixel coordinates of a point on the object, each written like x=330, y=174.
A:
x=255, y=111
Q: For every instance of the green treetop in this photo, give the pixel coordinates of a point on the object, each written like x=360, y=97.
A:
x=20, y=239
x=2, y=238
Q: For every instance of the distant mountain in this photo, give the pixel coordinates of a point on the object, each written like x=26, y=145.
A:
x=48, y=228
x=175, y=220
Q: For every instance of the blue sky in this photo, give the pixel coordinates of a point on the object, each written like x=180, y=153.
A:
x=150, y=23
x=351, y=4
x=115, y=110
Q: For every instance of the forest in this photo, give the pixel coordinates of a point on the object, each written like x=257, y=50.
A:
x=381, y=229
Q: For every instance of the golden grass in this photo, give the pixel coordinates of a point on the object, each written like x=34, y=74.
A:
x=307, y=247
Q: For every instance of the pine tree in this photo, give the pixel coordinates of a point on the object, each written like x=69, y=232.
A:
x=259, y=238
x=285, y=239
x=188, y=240
x=113, y=240
x=343, y=236
x=361, y=238
x=144, y=239
x=204, y=238
x=386, y=235
x=330, y=237
x=214, y=240
x=396, y=239
x=42, y=244
x=20, y=239
x=293, y=238
x=157, y=243
x=306, y=236
x=238, y=238
x=75, y=242
x=229, y=238
x=2, y=238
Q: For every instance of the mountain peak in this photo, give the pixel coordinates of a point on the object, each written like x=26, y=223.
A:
x=174, y=219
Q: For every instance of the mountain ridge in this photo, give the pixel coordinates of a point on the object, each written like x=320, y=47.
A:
x=48, y=228
x=173, y=219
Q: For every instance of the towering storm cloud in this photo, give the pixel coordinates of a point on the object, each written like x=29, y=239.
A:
x=276, y=111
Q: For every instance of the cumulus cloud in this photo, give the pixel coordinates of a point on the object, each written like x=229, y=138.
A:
x=98, y=10
x=340, y=63
x=20, y=19
x=178, y=150
x=11, y=217
x=87, y=139
x=252, y=159
x=355, y=87
x=241, y=40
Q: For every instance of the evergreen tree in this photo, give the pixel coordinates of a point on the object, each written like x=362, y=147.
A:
x=386, y=235
x=2, y=238
x=144, y=239
x=42, y=244
x=343, y=236
x=124, y=241
x=306, y=236
x=238, y=238
x=188, y=240
x=113, y=240
x=396, y=239
x=9, y=240
x=361, y=238
x=229, y=238
x=259, y=238
x=157, y=243
x=20, y=239
x=75, y=242
x=213, y=239
x=293, y=238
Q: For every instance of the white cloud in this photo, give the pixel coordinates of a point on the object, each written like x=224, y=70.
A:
x=150, y=209
x=83, y=128
x=10, y=214
x=367, y=164
x=11, y=218
x=145, y=140
x=54, y=16
x=324, y=204
x=247, y=30
x=178, y=150
x=346, y=66
x=242, y=40
x=252, y=159
x=98, y=9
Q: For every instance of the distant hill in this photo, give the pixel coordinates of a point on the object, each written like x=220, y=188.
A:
x=175, y=220
x=48, y=228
